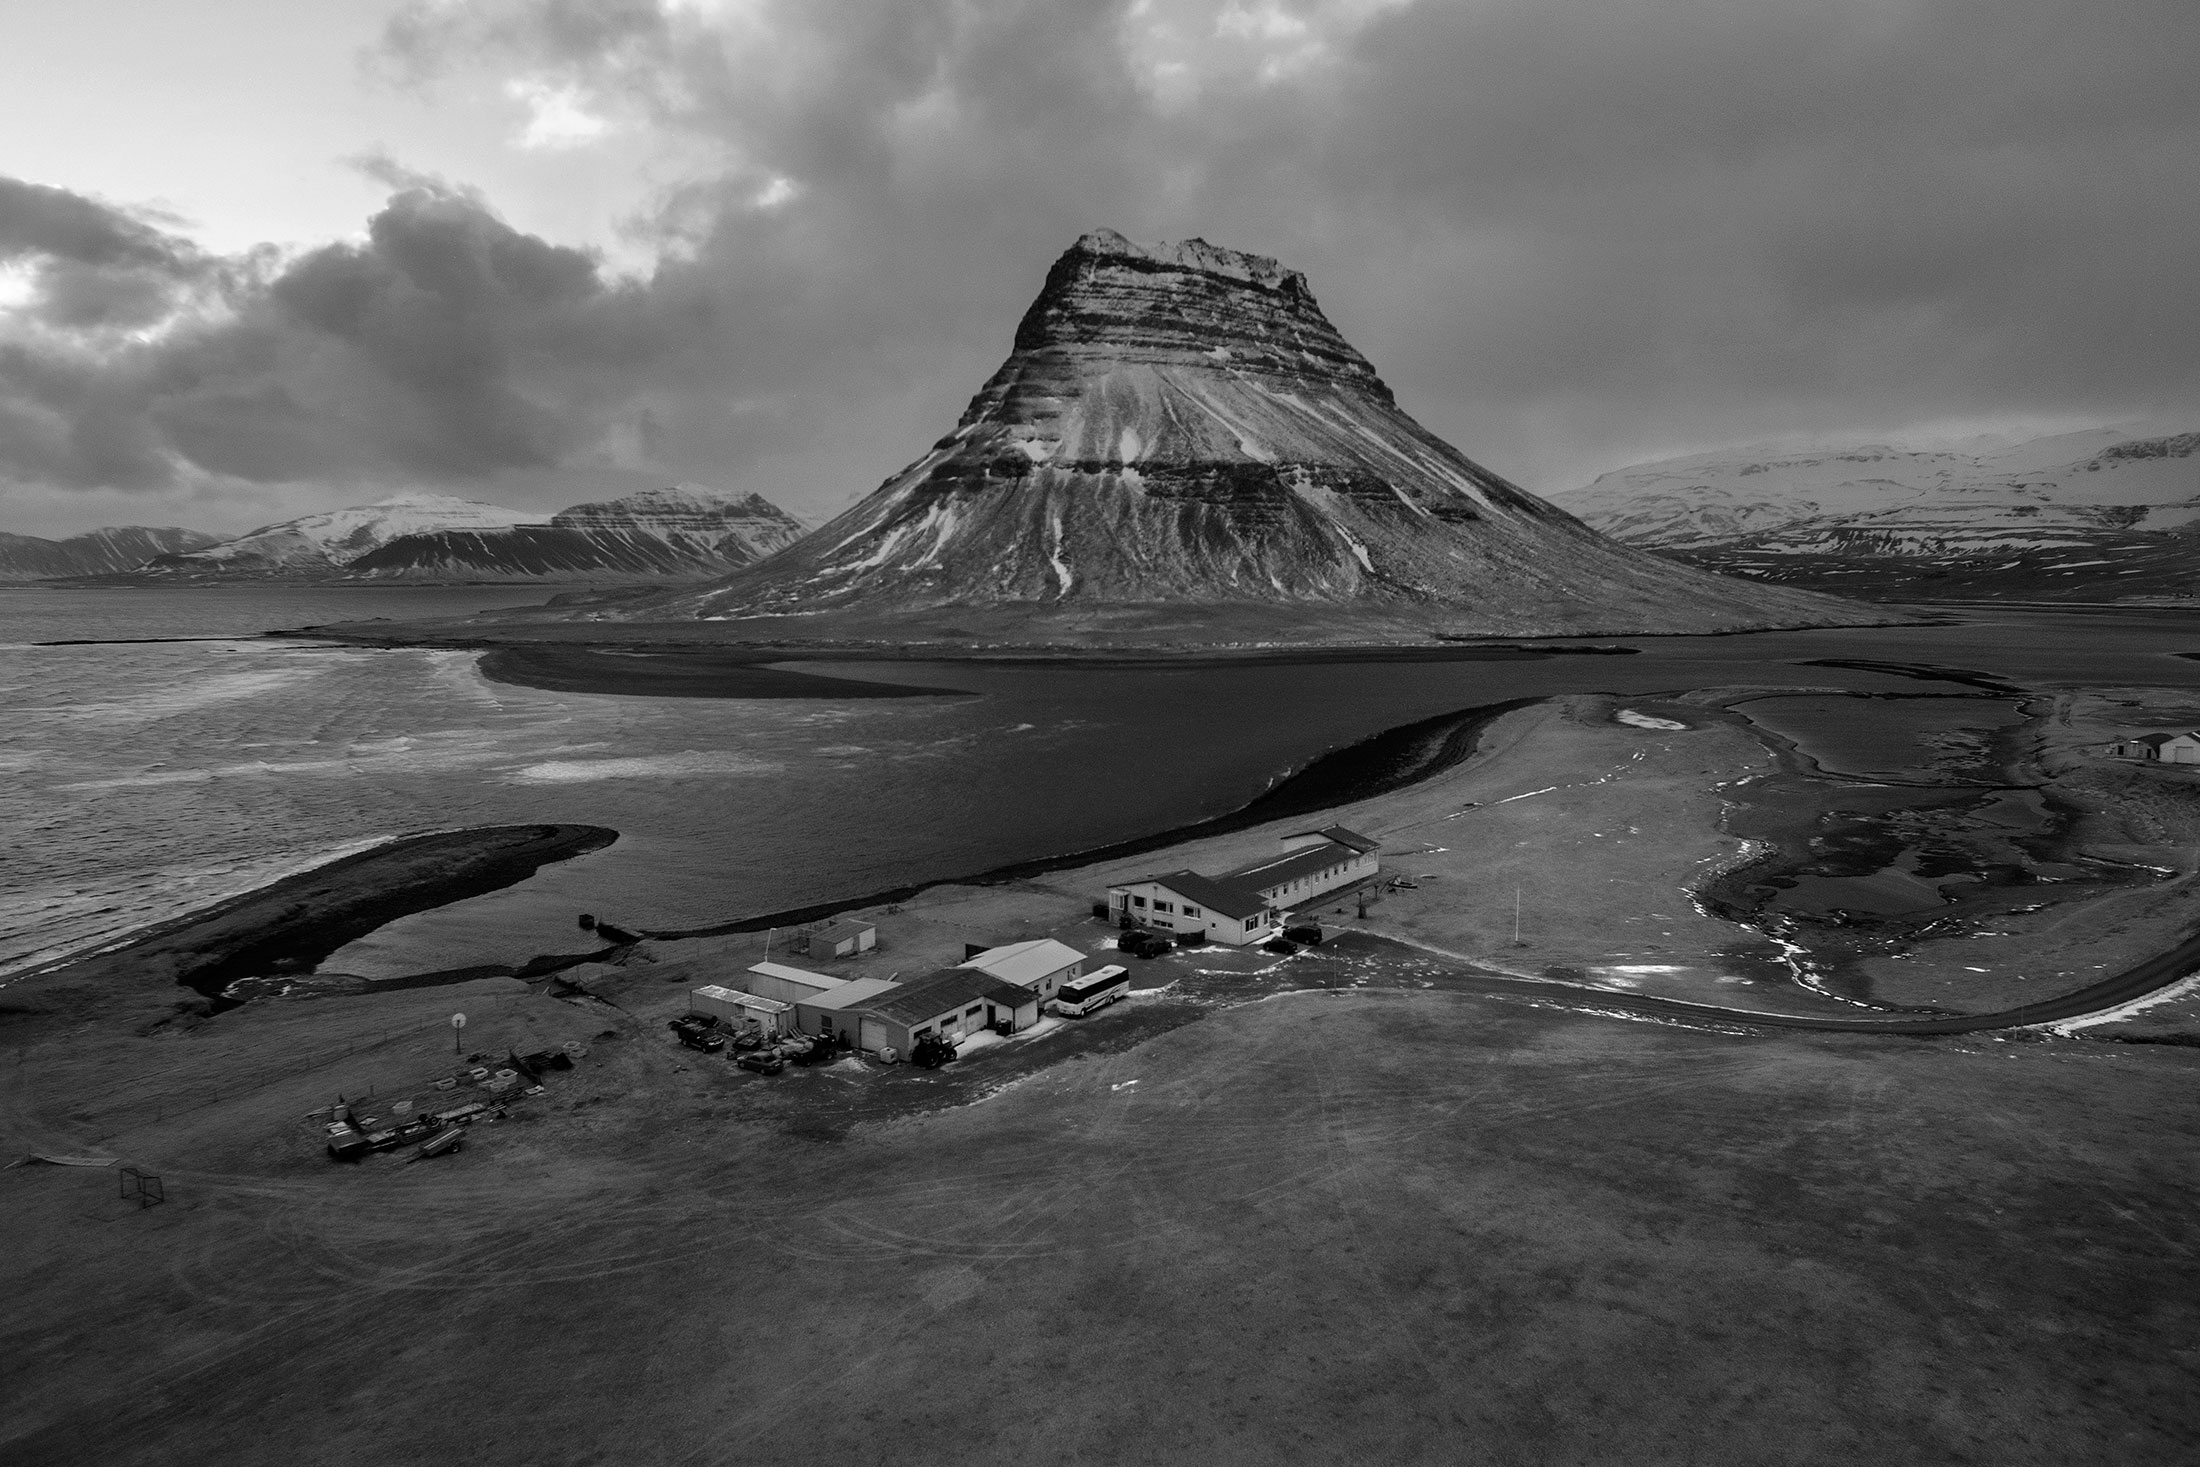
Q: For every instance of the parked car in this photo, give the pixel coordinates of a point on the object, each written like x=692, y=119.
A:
x=762, y=1063
x=1279, y=947
x=1143, y=944
x=1306, y=934
x=694, y=1035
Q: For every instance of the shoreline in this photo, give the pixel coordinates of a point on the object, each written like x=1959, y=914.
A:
x=690, y=674
x=296, y=922
x=1392, y=760
x=286, y=928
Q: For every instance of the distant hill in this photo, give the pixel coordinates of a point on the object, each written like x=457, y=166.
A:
x=682, y=532
x=96, y=553
x=2095, y=515
x=1180, y=447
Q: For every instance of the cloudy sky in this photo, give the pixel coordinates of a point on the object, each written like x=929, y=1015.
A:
x=259, y=257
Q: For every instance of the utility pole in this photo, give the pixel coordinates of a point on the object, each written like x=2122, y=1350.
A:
x=1516, y=916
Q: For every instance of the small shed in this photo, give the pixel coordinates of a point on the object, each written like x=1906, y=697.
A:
x=788, y=985
x=732, y=1006
x=842, y=939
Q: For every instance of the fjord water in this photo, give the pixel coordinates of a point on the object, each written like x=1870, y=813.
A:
x=144, y=779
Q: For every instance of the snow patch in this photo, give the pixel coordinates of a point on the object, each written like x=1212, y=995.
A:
x=1643, y=720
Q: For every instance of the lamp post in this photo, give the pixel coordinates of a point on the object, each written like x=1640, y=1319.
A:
x=458, y=1028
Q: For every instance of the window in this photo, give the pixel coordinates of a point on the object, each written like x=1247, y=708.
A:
x=1191, y=911
x=920, y=1033
x=1162, y=906
x=972, y=1011
x=1138, y=901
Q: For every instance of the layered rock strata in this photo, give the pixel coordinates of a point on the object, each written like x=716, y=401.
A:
x=1180, y=427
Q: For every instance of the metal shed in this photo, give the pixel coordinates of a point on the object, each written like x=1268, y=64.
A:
x=788, y=985
x=732, y=1006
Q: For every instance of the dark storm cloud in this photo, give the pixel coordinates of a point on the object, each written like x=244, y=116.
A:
x=445, y=345
x=1568, y=233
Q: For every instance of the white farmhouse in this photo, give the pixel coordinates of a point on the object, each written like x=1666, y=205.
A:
x=1185, y=901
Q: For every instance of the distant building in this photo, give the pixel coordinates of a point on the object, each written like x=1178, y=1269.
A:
x=788, y=985
x=838, y=1013
x=1320, y=862
x=1041, y=965
x=733, y=1006
x=1185, y=901
x=2169, y=748
x=842, y=939
x=953, y=1003
x=1248, y=904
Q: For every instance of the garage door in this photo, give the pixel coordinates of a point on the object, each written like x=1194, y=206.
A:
x=871, y=1035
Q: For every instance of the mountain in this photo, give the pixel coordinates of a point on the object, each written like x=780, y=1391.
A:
x=2093, y=515
x=682, y=532
x=322, y=546
x=95, y=553
x=1181, y=446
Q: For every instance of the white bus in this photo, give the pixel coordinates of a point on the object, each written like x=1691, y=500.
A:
x=1093, y=991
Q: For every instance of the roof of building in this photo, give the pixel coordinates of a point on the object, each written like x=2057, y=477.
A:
x=1206, y=891
x=843, y=925
x=928, y=997
x=796, y=975
x=1025, y=962
x=746, y=1000
x=1284, y=869
x=855, y=994
x=2156, y=740
x=1364, y=844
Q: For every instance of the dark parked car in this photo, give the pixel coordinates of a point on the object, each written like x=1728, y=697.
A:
x=1308, y=934
x=1143, y=944
x=763, y=1064
x=698, y=1036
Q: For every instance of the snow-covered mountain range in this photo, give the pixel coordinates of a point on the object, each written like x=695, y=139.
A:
x=1180, y=440
x=94, y=553
x=682, y=532
x=2098, y=513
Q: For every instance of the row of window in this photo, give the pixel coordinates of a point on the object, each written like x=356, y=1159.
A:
x=1162, y=906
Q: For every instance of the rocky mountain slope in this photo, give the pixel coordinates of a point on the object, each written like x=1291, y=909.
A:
x=95, y=553
x=682, y=532
x=1180, y=444
x=2090, y=515
x=319, y=546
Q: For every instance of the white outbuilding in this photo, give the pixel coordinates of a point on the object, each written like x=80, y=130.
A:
x=1041, y=965
x=788, y=985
